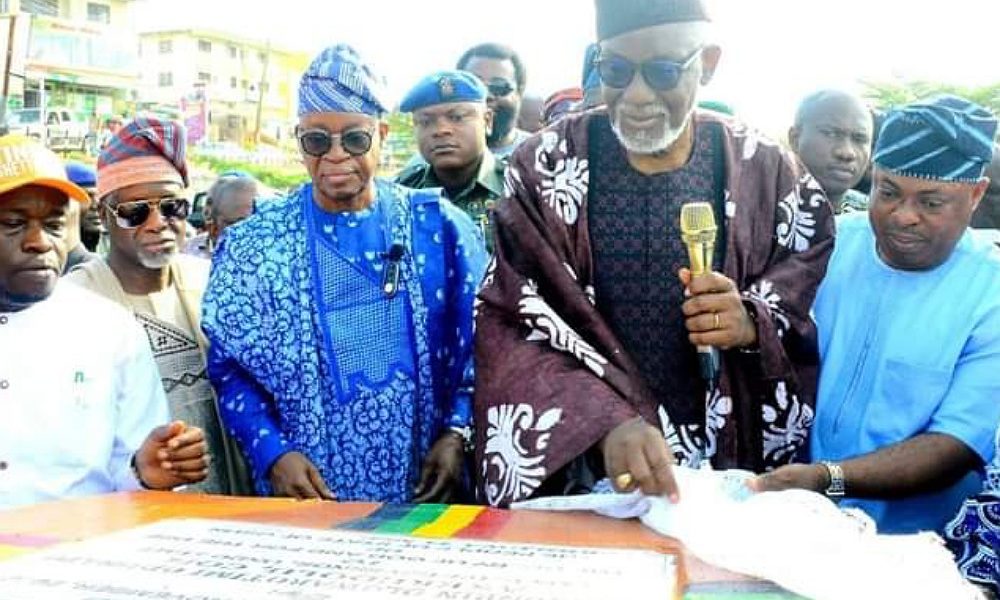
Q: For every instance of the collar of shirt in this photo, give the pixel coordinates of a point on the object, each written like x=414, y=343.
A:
x=489, y=177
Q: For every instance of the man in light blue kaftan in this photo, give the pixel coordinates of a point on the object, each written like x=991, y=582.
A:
x=340, y=318
x=909, y=330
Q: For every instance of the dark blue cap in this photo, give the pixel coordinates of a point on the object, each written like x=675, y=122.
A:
x=946, y=138
x=444, y=87
x=82, y=175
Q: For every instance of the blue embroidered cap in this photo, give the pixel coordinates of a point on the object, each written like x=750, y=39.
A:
x=444, y=87
x=946, y=138
x=338, y=80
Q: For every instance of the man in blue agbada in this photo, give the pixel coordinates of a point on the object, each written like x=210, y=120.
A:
x=909, y=330
x=340, y=318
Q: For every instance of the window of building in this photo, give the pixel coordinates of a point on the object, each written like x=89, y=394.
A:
x=4, y=6
x=98, y=13
x=245, y=84
x=204, y=46
x=48, y=8
x=205, y=77
x=166, y=79
x=233, y=52
x=261, y=56
x=166, y=46
x=232, y=82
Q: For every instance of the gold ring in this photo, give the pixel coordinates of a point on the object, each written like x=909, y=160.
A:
x=623, y=481
x=718, y=324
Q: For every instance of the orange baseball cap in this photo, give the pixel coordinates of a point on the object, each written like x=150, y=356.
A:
x=24, y=161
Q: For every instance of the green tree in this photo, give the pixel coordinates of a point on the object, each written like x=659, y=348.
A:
x=888, y=94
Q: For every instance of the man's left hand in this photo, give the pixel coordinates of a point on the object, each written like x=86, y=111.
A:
x=791, y=477
x=172, y=455
x=442, y=473
x=714, y=312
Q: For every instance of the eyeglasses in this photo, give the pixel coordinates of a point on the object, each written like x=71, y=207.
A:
x=131, y=215
x=660, y=74
x=317, y=142
x=499, y=87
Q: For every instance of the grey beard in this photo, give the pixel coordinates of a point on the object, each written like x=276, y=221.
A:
x=643, y=142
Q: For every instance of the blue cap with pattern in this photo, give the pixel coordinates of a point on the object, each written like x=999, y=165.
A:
x=444, y=87
x=946, y=138
x=338, y=80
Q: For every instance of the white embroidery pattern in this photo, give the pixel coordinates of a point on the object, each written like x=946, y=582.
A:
x=690, y=446
x=491, y=271
x=763, y=291
x=786, y=426
x=511, y=451
x=545, y=325
x=752, y=140
x=588, y=291
x=797, y=223
x=564, y=186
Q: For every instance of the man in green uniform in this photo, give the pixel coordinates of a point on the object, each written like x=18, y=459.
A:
x=451, y=122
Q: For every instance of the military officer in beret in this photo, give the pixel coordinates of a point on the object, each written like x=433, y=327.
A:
x=451, y=122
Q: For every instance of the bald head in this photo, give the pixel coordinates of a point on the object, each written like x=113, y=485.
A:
x=832, y=135
x=232, y=201
x=987, y=216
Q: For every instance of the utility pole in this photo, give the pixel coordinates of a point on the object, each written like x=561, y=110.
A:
x=8, y=61
x=260, y=93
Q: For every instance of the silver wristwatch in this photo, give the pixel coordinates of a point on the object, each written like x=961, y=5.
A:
x=836, y=488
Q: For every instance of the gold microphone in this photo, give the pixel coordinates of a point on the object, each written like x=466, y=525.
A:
x=698, y=230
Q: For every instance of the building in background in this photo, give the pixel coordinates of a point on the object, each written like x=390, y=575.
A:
x=246, y=84
x=75, y=55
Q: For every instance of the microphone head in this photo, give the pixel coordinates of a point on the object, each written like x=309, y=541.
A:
x=395, y=252
x=698, y=218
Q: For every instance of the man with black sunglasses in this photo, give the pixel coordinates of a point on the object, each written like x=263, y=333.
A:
x=83, y=410
x=505, y=77
x=340, y=317
x=451, y=119
x=589, y=319
x=141, y=181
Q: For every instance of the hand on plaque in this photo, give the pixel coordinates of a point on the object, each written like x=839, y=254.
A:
x=714, y=312
x=637, y=456
x=441, y=476
x=294, y=476
x=172, y=455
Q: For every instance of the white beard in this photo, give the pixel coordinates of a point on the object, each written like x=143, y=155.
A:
x=644, y=142
x=155, y=262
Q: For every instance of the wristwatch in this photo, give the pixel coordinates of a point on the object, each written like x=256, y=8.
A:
x=135, y=473
x=465, y=433
x=836, y=488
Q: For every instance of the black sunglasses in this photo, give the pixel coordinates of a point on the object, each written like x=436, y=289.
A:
x=500, y=87
x=660, y=74
x=317, y=142
x=130, y=215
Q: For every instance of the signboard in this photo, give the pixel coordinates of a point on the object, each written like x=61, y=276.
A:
x=194, y=114
x=219, y=560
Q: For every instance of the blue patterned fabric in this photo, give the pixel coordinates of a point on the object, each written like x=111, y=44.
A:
x=946, y=139
x=307, y=354
x=974, y=534
x=338, y=80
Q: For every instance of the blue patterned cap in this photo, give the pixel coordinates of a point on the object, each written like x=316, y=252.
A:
x=339, y=81
x=946, y=138
x=444, y=87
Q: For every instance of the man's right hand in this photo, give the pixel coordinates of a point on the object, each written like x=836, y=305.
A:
x=294, y=476
x=639, y=450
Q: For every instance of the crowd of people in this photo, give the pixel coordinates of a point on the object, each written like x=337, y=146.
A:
x=515, y=314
